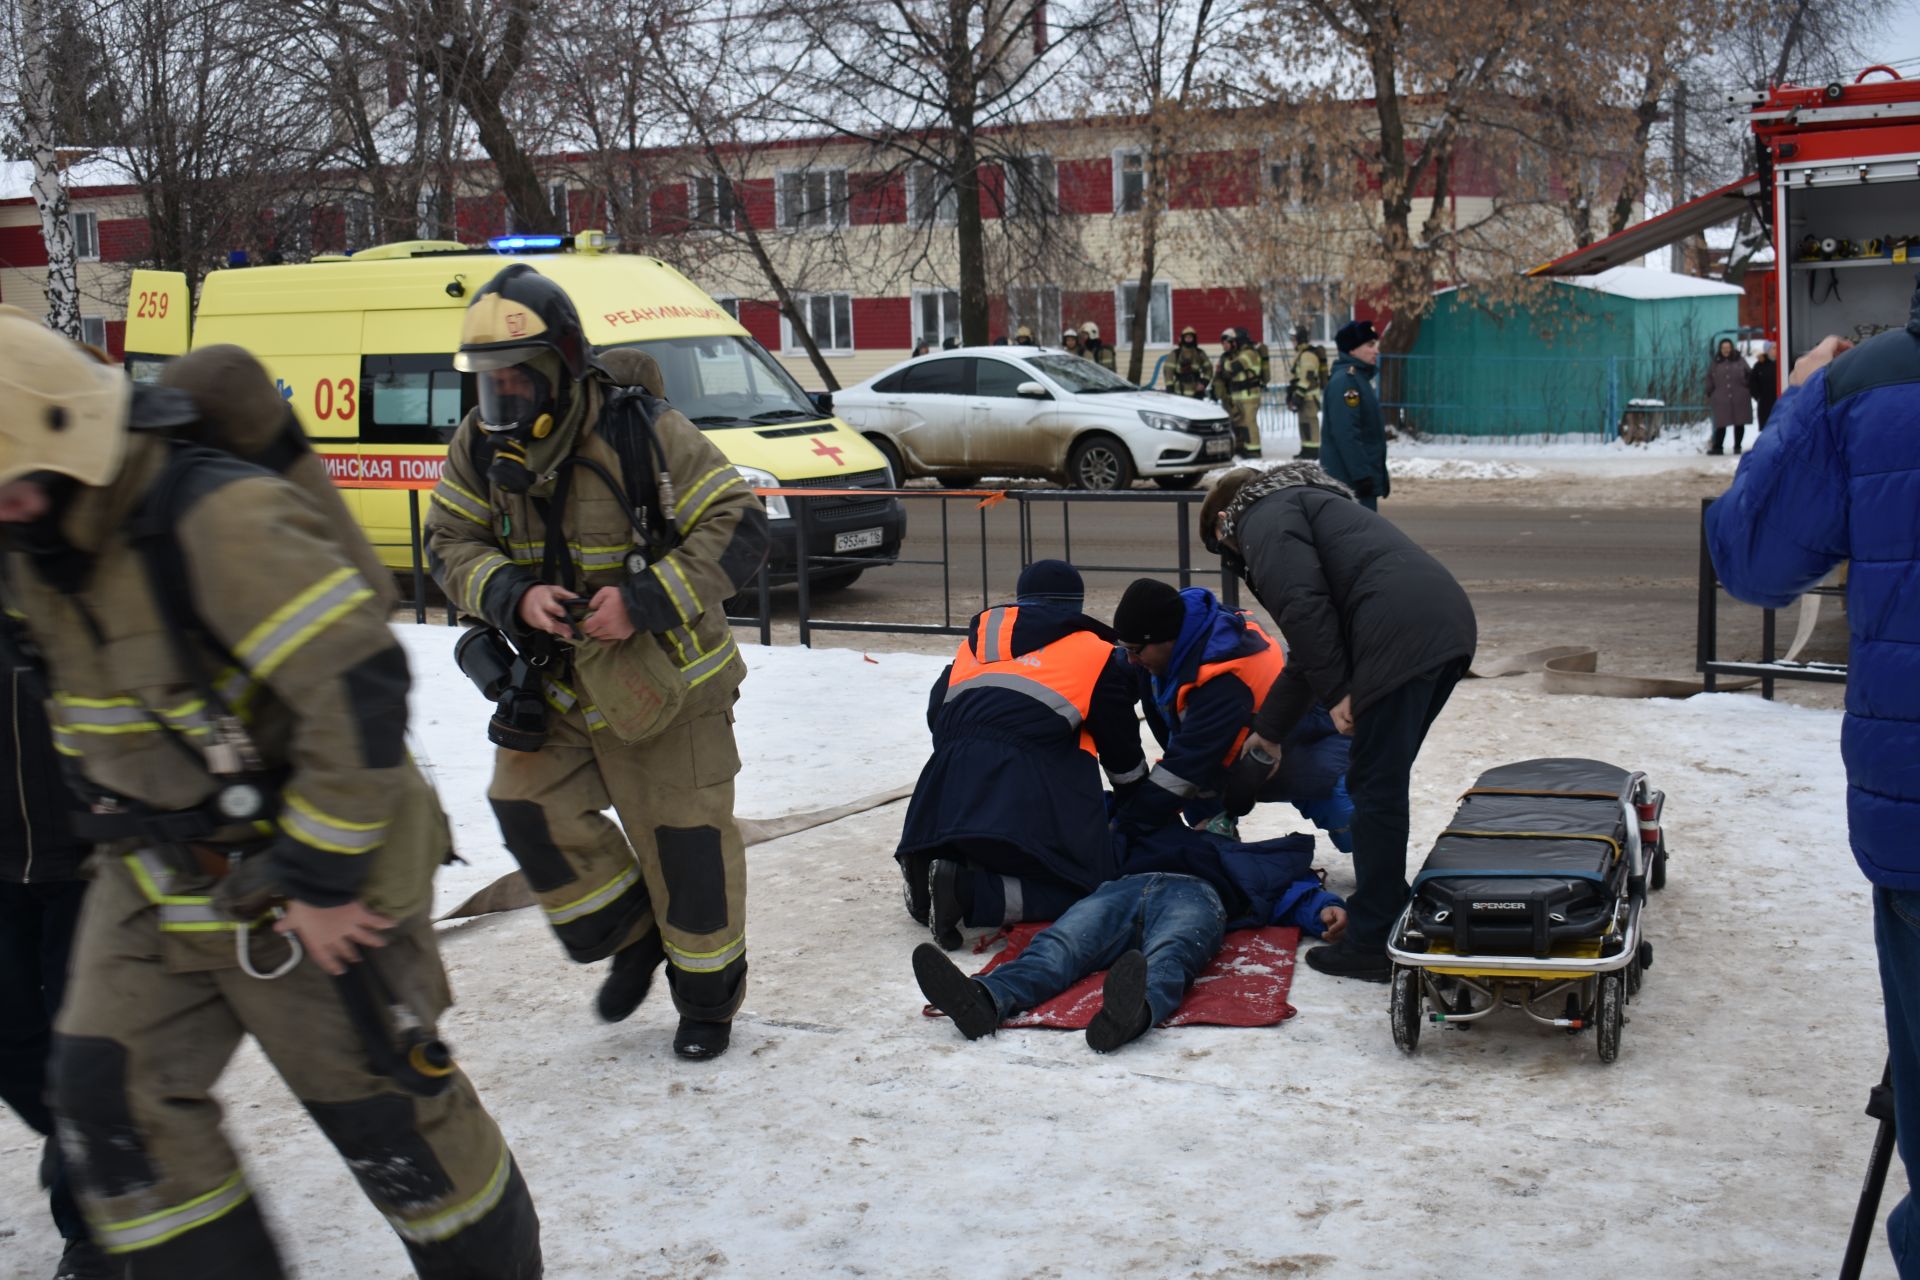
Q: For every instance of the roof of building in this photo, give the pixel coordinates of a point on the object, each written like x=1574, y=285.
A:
x=1651, y=283
x=84, y=171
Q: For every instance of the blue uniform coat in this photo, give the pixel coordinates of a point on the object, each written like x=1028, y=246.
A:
x=1353, y=433
x=1008, y=788
x=1836, y=476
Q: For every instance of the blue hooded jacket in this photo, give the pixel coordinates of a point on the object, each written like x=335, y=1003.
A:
x=1197, y=741
x=1836, y=476
x=1260, y=882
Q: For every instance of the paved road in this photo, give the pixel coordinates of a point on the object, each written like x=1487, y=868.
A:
x=1621, y=578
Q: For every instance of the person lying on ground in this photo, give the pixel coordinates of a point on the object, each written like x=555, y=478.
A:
x=1034, y=697
x=1204, y=670
x=1154, y=933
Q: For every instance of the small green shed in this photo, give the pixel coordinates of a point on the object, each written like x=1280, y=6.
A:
x=1567, y=361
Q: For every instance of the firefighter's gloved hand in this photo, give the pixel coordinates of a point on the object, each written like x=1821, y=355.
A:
x=250, y=890
x=1363, y=487
x=1245, y=777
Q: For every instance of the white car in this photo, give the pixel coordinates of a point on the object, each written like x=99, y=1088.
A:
x=1032, y=411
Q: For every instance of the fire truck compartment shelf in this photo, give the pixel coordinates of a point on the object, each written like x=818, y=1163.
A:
x=1829, y=264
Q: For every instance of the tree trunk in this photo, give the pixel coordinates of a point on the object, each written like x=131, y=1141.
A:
x=1152, y=200
x=970, y=227
x=527, y=206
x=49, y=195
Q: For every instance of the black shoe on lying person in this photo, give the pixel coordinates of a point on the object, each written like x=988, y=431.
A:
x=1339, y=960
x=702, y=1040
x=950, y=891
x=1124, y=1012
x=954, y=993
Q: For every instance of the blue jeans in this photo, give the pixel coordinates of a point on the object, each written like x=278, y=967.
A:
x=1896, y=935
x=1176, y=920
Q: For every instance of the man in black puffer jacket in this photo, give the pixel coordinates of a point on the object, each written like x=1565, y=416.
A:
x=1378, y=631
x=40, y=891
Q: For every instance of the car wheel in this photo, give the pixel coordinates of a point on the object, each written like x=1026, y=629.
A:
x=959, y=482
x=1100, y=463
x=1186, y=481
x=896, y=468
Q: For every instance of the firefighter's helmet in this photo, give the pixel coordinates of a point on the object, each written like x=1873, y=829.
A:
x=1023, y=335
x=522, y=320
x=1229, y=337
x=1090, y=330
x=61, y=408
x=1189, y=332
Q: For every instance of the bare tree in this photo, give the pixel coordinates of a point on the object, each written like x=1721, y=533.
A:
x=936, y=90
x=49, y=192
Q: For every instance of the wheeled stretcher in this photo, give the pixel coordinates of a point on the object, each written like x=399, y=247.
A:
x=1532, y=900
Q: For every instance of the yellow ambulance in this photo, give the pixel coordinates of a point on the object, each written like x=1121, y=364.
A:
x=362, y=349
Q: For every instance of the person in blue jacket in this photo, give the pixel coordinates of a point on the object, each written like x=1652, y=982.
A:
x=1205, y=671
x=1012, y=794
x=1836, y=476
x=1353, y=432
x=1153, y=930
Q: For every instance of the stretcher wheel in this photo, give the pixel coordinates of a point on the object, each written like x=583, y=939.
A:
x=1610, y=1014
x=1403, y=1006
x=1633, y=977
x=1657, y=878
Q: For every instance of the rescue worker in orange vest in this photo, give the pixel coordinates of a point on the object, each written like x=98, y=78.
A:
x=1011, y=802
x=1208, y=669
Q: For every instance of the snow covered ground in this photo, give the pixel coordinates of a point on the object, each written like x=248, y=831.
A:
x=847, y=1135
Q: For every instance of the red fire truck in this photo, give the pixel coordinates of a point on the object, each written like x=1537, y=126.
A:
x=1837, y=185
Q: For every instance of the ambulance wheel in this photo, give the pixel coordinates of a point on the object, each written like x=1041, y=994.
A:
x=1610, y=1014
x=1404, y=1007
x=1657, y=878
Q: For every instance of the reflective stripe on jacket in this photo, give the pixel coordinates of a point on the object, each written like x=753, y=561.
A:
x=1060, y=676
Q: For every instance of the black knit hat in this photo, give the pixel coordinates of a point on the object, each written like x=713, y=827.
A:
x=1356, y=333
x=1150, y=611
x=1052, y=581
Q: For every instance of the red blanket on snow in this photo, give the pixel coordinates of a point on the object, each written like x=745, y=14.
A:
x=1245, y=986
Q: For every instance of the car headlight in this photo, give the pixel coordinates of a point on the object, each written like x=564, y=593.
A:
x=776, y=504
x=1164, y=421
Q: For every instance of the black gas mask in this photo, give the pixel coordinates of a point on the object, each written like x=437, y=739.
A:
x=521, y=407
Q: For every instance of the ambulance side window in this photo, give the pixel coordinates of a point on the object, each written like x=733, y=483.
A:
x=412, y=399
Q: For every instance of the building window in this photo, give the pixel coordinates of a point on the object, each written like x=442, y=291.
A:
x=1129, y=181
x=93, y=329
x=1038, y=307
x=426, y=214
x=730, y=305
x=716, y=205
x=1159, y=314
x=557, y=201
x=86, y=236
x=357, y=215
x=936, y=315
x=1302, y=176
x=1031, y=186
x=812, y=199
x=1317, y=304
x=930, y=197
x=829, y=319
x=292, y=233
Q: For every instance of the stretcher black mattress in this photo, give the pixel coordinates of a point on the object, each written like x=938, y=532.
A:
x=1536, y=855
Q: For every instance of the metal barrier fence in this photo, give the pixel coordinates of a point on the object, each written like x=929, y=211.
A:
x=1770, y=667
x=1029, y=538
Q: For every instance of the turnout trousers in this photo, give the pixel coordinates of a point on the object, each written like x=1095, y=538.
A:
x=156, y=1007
x=1245, y=413
x=679, y=867
x=1310, y=425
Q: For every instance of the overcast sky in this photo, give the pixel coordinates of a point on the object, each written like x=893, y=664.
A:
x=1900, y=46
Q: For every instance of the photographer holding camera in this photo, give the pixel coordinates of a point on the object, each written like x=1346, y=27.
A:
x=597, y=532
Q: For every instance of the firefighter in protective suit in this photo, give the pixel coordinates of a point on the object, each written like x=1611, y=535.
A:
x=226, y=694
x=1189, y=369
x=1238, y=386
x=564, y=494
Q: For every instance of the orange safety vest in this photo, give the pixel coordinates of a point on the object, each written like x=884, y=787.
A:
x=1257, y=671
x=1061, y=675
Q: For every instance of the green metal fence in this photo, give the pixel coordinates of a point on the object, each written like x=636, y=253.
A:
x=1508, y=396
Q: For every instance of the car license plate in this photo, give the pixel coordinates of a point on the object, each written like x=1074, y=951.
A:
x=858, y=540
x=1218, y=447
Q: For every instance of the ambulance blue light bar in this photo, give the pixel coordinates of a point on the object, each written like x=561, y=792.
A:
x=525, y=244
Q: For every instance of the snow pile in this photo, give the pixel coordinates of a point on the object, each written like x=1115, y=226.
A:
x=847, y=1135
x=1458, y=469
x=1652, y=284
